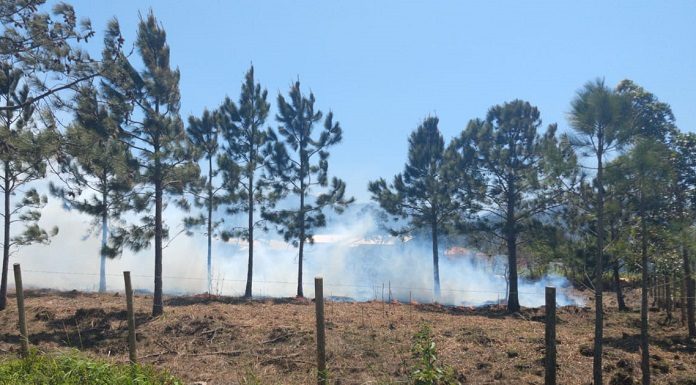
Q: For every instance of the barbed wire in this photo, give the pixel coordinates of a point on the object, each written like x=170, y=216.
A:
x=375, y=287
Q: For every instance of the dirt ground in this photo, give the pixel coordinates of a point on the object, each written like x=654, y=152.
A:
x=221, y=340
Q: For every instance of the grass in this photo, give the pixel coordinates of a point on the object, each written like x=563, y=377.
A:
x=68, y=368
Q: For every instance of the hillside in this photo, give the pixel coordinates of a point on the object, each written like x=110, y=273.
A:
x=232, y=341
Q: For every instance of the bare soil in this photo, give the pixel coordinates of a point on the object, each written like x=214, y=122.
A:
x=222, y=340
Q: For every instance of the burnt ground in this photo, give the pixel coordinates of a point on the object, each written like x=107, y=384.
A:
x=222, y=340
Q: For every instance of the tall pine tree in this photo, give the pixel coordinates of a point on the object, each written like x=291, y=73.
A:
x=645, y=178
x=204, y=133
x=600, y=118
x=526, y=175
x=24, y=150
x=683, y=159
x=304, y=170
x=98, y=170
x=148, y=102
x=246, y=158
x=436, y=190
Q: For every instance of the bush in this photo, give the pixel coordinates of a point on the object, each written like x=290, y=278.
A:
x=428, y=371
x=72, y=368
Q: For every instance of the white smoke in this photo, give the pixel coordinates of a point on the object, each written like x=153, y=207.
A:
x=353, y=262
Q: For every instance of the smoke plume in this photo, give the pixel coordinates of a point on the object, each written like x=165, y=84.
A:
x=356, y=264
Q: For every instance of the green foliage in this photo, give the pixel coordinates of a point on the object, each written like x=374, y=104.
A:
x=204, y=135
x=643, y=178
x=24, y=151
x=246, y=154
x=146, y=107
x=305, y=168
x=98, y=170
x=428, y=370
x=74, y=369
x=650, y=118
x=43, y=45
x=526, y=174
x=601, y=119
x=438, y=185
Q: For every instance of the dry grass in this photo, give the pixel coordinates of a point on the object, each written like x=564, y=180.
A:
x=232, y=341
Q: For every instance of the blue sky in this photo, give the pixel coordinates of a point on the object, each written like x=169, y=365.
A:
x=382, y=66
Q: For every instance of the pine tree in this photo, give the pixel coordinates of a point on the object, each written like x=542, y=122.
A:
x=204, y=134
x=305, y=171
x=646, y=176
x=600, y=118
x=24, y=150
x=526, y=174
x=38, y=62
x=148, y=103
x=98, y=170
x=683, y=159
x=245, y=159
x=436, y=190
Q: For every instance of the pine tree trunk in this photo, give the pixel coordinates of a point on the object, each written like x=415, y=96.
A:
x=250, y=264
x=661, y=290
x=104, y=241
x=644, y=338
x=513, y=304
x=5, y=240
x=513, y=296
x=656, y=292
x=617, y=282
x=210, y=224
x=668, y=297
x=682, y=300
x=436, y=262
x=599, y=270
x=300, y=292
x=157, y=305
x=690, y=293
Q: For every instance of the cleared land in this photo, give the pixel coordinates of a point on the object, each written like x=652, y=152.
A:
x=223, y=340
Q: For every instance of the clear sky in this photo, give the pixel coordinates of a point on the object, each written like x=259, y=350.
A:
x=382, y=66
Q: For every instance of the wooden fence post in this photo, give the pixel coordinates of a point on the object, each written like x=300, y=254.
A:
x=322, y=374
x=550, y=378
x=132, y=355
x=410, y=306
x=23, y=336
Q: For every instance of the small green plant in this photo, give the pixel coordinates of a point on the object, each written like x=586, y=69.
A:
x=324, y=374
x=73, y=368
x=428, y=371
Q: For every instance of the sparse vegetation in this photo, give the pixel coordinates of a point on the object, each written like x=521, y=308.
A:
x=73, y=368
x=205, y=339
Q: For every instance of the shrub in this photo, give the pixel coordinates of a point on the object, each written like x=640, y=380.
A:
x=428, y=371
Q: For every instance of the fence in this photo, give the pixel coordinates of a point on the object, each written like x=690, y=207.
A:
x=382, y=292
x=322, y=370
x=337, y=291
